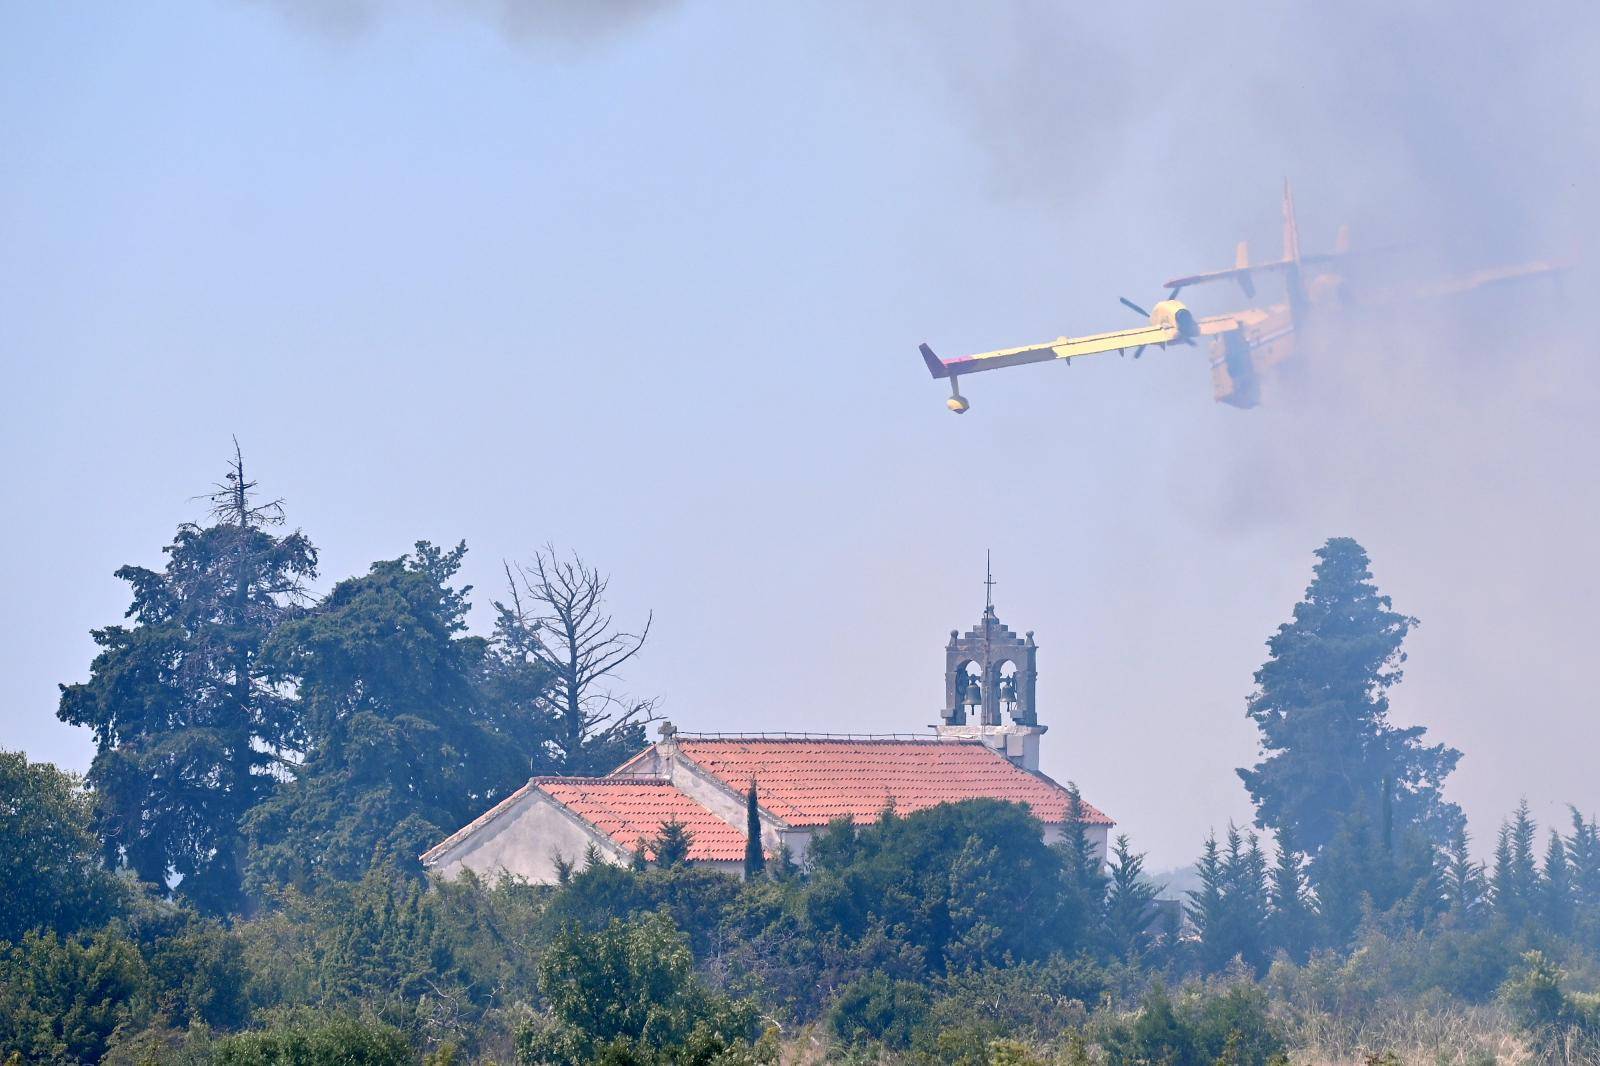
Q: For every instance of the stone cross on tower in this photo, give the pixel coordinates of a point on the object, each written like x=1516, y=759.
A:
x=990, y=674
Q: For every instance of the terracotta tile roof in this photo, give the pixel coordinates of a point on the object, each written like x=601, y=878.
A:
x=626, y=809
x=812, y=781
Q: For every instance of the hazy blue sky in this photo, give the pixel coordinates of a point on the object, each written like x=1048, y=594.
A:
x=650, y=285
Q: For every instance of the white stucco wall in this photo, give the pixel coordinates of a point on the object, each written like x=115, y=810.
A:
x=523, y=841
x=1097, y=834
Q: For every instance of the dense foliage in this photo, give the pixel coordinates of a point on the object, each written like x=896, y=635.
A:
x=1322, y=706
x=237, y=879
x=188, y=724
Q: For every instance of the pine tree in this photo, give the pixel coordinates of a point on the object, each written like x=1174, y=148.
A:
x=1515, y=885
x=1086, y=879
x=1291, y=923
x=1465, y=888
x=1321, y=704
x=672, y=844
x=1556, y=896
x=1583, y=851
x=1129, y=905
x=755, y=859
x=1244, y=897
x=1205, y=908
x=190, y=729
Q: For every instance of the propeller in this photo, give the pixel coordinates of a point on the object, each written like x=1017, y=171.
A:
x=1142, y=313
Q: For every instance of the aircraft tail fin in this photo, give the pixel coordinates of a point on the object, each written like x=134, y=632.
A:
x=1341, y=240
x=936, y=365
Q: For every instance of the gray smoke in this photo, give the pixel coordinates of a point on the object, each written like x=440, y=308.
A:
x=1457, y=440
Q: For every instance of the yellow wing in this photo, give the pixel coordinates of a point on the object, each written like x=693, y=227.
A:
x=1060, y=348
x=1178, y=325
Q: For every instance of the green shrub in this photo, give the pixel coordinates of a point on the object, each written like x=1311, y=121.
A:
x=1201, y=1028
x=878, y=1009
x=629, y=994
x=1031, y=1002
x=61, y=999
x=334, y=1041
x=1563, y=1026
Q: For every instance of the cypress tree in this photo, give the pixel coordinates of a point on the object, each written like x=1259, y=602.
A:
x=755, y=859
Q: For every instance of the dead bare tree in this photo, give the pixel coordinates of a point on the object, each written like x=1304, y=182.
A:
x=560, y=603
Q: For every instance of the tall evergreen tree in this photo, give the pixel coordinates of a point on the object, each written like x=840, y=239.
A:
x=1556, y=897
x=1515, y=885
x=1466, y=890
x=190, y=729
x=400, y=752
x=1322, y=706
x=755, y=859
x=1206, y=907
x=1363, y=867
x=1291, y=922
x=1583, y=851
x=1130, y=900
x=1085, y=867
x=1244, y=898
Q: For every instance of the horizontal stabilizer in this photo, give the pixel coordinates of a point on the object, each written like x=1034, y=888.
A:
x=1241, y=273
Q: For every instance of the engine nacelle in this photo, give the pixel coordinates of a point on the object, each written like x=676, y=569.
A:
x=1173, y=315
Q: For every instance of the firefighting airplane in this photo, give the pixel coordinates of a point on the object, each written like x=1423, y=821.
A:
x=1243, y=343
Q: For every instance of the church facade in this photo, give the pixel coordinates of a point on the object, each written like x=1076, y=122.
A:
x=986, y=745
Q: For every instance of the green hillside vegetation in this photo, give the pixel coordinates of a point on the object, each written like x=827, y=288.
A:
x=236, y=879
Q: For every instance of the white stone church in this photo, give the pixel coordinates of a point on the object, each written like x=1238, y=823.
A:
x=986, y=745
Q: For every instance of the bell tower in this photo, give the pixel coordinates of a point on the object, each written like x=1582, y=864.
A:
x=991, y=679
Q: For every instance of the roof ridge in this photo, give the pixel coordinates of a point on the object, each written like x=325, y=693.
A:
x=838, y=738
x=607, y=779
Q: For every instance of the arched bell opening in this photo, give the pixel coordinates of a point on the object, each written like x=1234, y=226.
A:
x=1008, y=689
x=969, y=684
